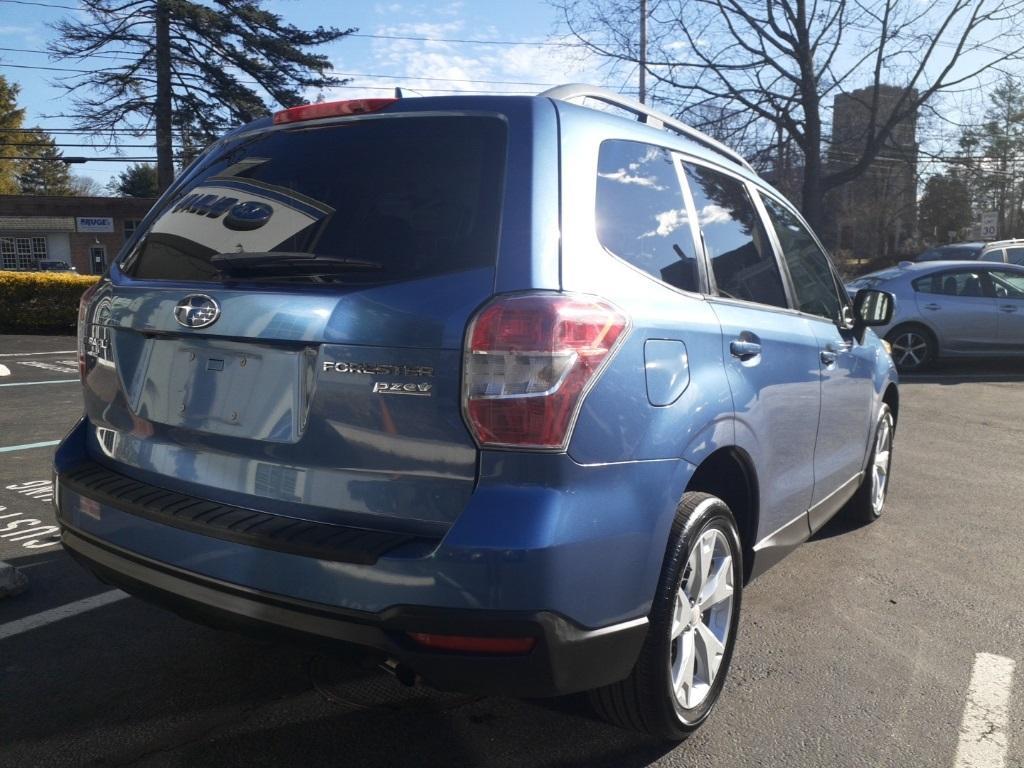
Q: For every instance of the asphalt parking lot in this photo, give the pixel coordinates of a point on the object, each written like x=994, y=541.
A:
x=858, y=650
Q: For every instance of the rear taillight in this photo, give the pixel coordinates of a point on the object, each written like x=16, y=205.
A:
x=529, y=361
x=83, y=326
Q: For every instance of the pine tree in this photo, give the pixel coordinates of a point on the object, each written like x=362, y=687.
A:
x=187, y=65
x=11, y=119
x=45, y=173
x=945, y=206
x=137, y=180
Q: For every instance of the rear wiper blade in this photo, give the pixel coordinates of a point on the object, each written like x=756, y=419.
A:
x=288, y=262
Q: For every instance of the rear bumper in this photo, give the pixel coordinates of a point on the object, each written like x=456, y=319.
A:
x=566, y=658
x=545, y=547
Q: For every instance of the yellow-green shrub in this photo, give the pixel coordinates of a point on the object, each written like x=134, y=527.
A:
x=40, y=301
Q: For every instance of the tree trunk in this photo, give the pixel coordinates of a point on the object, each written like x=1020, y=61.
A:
x=811, y=203
x=163, y=107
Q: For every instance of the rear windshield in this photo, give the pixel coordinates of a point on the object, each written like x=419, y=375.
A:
x=951, y=253
x=415, y=196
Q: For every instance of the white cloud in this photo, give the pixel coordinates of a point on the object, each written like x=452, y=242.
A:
x=668, y=222
x=435, y=67
x=713, y=214
x=623, y=176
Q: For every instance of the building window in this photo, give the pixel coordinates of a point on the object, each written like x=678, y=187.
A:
x=130, y=225
x=22, y=252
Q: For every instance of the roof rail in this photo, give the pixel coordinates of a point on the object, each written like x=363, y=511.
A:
x=644, y=114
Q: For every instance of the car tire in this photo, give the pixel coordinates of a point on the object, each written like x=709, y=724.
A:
x=867, y=503
x=913, y=347
x=684, y=642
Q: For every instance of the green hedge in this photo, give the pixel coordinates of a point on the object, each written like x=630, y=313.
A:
x=35, y=302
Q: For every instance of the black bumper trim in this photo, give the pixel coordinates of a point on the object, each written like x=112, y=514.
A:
x=323, y=541
x=566, y=659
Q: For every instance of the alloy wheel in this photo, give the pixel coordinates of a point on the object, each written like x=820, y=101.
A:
x=909, y=349
x=702, y=618
x=880, y=464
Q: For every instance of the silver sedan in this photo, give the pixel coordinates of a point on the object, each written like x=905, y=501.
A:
x=951, y=309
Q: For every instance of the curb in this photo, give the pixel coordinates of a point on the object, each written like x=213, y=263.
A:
x=12, y=581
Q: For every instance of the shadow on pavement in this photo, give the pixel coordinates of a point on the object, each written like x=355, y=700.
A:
x=963, y=371
x=837, y=526
x=129, y=683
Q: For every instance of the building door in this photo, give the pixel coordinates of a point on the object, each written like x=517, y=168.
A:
x=98, y=259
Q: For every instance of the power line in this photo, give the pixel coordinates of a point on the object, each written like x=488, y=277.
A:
x=544, y=43
x=76, y=160
x=466, y=91
x=473, y=41
x=76, y=132
x=124, y=57
x=43, y=5
x=60, y=145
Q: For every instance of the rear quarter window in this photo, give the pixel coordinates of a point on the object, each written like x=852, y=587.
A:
x=641, y=214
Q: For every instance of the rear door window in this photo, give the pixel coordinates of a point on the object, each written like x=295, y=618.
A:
x=641, y=214
x=996, y=255
x=813, y=282
x=1015, y=256
x=416, y=196
x=742, y=260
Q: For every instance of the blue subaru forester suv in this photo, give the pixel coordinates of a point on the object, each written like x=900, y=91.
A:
x=511, y=393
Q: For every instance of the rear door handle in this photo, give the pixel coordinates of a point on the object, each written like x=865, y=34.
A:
x=932, y=306
x=1008, y=308
x=744, y=350
x=828, y=357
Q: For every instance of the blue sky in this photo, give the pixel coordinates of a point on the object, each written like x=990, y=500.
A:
x=409, y=63
x=377, y=64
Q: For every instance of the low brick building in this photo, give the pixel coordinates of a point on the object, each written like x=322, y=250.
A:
x=85, y=232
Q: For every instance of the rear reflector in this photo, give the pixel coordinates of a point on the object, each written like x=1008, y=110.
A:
x=331, y=109
x=468, y=644
x=83, y=326
x=530, y=360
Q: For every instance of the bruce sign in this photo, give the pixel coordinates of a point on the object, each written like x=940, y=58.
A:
x=94, y=224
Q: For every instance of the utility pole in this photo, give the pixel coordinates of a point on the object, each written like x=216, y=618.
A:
x=163, y=107
x=643, y=51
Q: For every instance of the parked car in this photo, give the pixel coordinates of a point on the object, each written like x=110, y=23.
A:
x=55, y=266
x=1005, y=252
x=952, y=252
x=514, y=393
x=951, y=309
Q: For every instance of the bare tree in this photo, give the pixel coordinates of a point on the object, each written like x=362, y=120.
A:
x=774, y=66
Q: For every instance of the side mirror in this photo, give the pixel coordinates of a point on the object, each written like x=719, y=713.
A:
x=871, y=307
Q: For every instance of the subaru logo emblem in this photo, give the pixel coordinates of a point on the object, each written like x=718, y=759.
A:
x=248, y=215
x=196, y=311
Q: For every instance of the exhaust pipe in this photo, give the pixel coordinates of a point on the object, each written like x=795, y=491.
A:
x=402, y=672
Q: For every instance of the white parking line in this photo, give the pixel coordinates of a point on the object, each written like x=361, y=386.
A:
x=983, y=734
x=31, y=354
x=26, y=446
x=37, y=620
x=30, y=383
